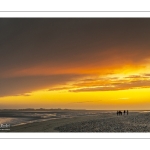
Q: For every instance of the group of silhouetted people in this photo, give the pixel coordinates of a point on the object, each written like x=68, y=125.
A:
x=121, y=113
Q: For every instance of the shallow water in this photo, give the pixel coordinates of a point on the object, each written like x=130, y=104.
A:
x=13, y=121
x=24, y=117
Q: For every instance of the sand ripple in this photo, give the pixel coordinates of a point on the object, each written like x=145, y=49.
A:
x=135, y=122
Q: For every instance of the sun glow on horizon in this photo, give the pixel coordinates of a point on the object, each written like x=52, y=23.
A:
x=88, y=63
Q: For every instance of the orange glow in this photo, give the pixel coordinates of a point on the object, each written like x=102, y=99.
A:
x=131, y=99
x=74, y=63
x=112, y=68
x=123, y=87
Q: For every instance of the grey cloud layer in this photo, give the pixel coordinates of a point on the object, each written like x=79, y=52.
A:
x=78, y=42
x=58, y=43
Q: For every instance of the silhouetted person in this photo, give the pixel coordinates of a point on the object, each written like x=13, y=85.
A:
x=118, y=113
x=127, y=112
x=121, y=113
x=124, y=112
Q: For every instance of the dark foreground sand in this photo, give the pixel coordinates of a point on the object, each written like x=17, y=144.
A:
x=104, y=122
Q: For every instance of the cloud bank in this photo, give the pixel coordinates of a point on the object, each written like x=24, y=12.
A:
x=40, y=53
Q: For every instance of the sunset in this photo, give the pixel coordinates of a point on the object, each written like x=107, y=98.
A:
x=101, y=63
x=74, y=75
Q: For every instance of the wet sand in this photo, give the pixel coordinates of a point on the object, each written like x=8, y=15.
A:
x=102, y=122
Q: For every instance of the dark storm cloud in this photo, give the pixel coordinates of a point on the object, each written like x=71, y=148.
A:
x=57, y=42
x=67, y=43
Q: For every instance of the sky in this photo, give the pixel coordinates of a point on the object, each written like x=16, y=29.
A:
x=75, y=63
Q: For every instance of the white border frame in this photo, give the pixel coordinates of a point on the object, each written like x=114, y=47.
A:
x=53, y=135
x=90, y=9
x=72, y=14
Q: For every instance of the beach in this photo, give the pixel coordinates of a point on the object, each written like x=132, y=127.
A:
x=98, y=122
